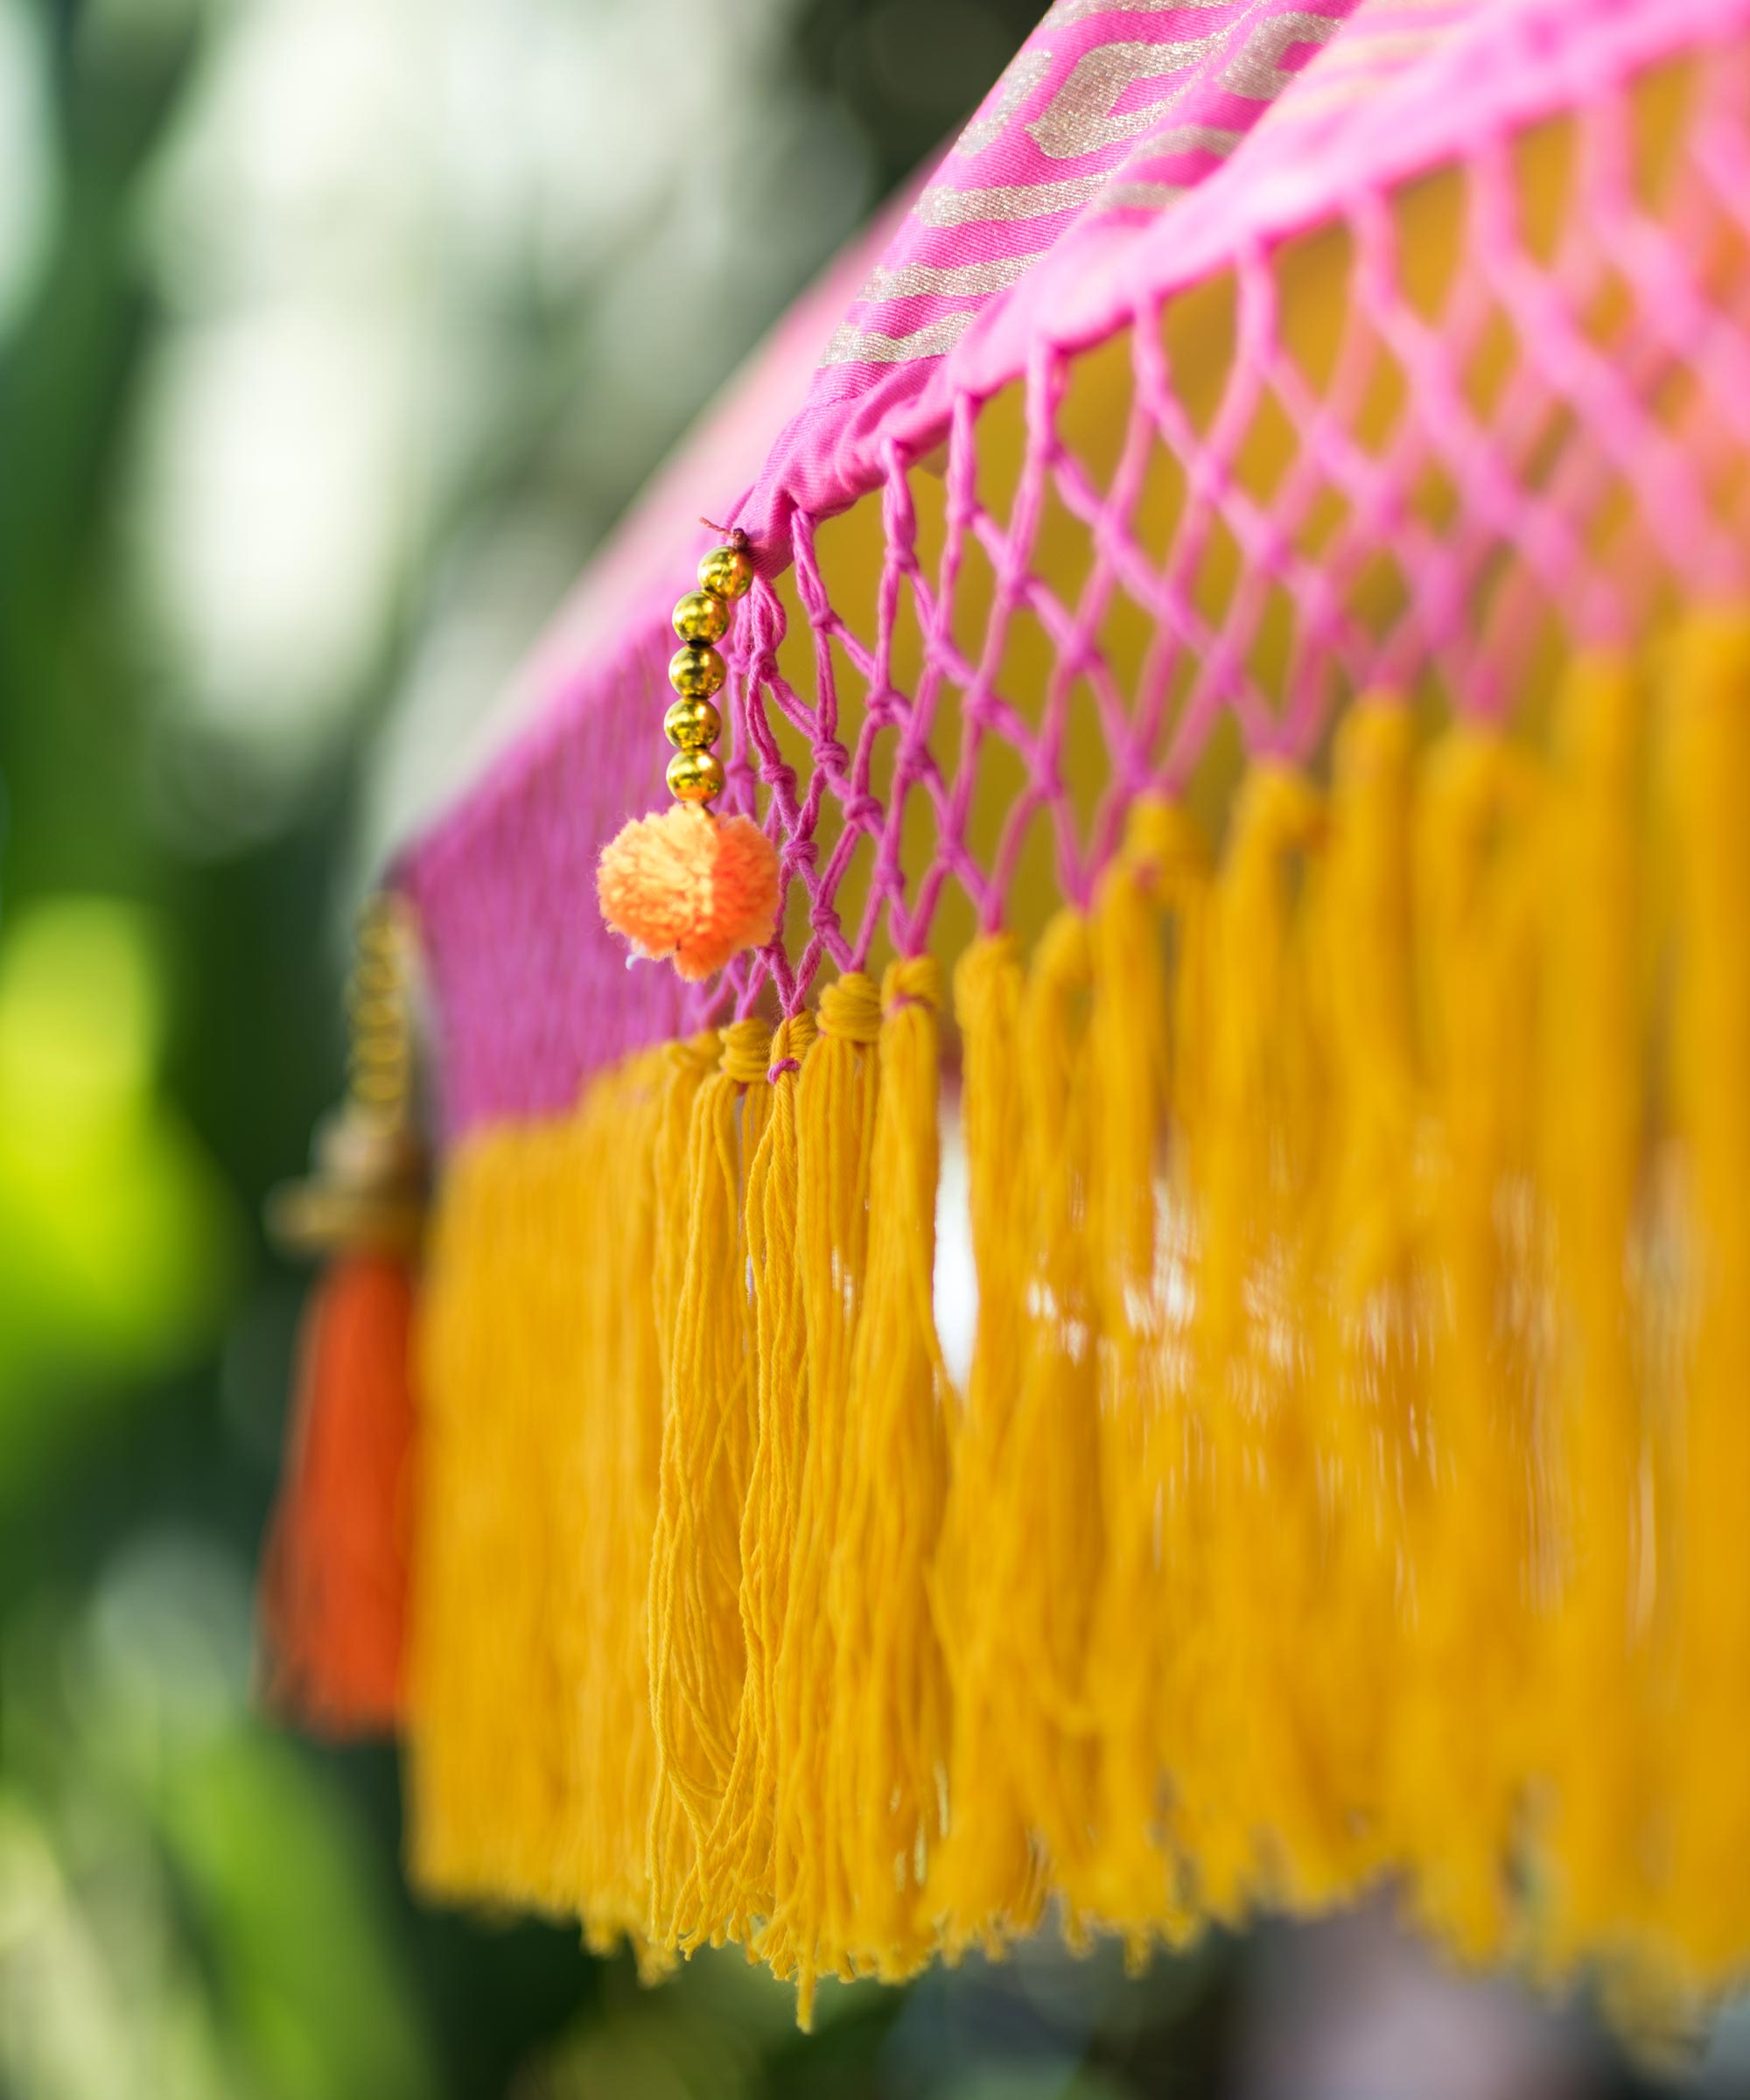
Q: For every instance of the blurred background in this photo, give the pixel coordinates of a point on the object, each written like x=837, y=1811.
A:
x=333, y=334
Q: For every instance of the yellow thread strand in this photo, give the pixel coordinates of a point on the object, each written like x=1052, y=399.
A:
x=983, y=1883
x=1460, y=1761
x=697, y=1652
x=1591, y=1121
x=741, y=1844
x=1241, y=1788
x=1366, y=1407
x=1162, y=874
x=600, y=1641
x=1044, y=1527
x=835, y=1113
x=1710, y=798
x=889, y=1719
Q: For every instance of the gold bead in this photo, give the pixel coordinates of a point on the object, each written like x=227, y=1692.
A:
x=699, y=617
x=692, y=725
x=694, y=776
x=726, y=572
x=695, y=672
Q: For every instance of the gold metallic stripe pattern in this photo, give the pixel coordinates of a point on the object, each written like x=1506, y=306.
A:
x=1383, y=47
x=940, y=205
x=853, y=346
x=1365, y=60
x=1141, y=196
x=949, y=281
x=1084, y=11
x=1258, y=72
x=1079, y=118
x=1024, y=73
x=1195, y=139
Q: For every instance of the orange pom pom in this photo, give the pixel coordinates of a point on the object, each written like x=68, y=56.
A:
x=690, y=886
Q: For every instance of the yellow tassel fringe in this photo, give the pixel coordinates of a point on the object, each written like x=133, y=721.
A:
x=889, y=1713
x=1349, y=1481
x=808, y=1932
x=983, y=1882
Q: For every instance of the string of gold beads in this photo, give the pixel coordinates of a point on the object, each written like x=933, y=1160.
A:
x=696, y=671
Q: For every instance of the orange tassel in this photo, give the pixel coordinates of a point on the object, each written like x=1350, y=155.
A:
x=334, y=1593
x=333, y=1586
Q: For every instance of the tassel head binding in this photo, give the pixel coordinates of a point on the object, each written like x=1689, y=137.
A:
x=366, y=1190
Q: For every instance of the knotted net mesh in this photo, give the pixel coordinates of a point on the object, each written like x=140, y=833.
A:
x=1427, y=448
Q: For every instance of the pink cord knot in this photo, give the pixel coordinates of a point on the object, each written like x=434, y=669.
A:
x=795, y=855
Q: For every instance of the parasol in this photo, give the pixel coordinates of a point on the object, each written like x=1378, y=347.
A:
x=1242, y=691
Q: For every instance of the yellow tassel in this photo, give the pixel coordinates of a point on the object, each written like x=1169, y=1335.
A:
x=835, y=1113
x=889, y=1701
x=1132, y=1882
x=697, y=1654
x=1460, y=1758
x=984, y=1882
x=597, y=1602
x=1043, y=1526
x=483, y=1778
x=623, y=1318
x=1242, y=1789
x=1709, y=1918
x=1369, y=1331
x=1591, y=1118
x=741, y=1844
x=527, y=1626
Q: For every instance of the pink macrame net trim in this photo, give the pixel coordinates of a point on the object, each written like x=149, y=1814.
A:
x=1572, y=429
x=1608, y=477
